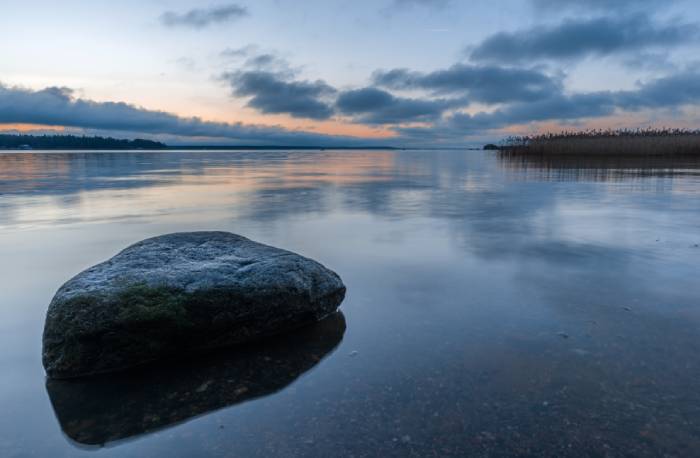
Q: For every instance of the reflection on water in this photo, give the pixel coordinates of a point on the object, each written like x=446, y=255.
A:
x=600, y=167
x=105, y=409
x=496, y=306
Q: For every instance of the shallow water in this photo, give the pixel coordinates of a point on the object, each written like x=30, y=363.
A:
x=495, y=307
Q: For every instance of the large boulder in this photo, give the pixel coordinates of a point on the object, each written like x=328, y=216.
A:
x=181, y=294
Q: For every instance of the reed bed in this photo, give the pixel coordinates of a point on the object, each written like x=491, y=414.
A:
x=619, y=143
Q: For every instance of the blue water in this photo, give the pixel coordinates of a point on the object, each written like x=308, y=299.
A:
x=495, y=307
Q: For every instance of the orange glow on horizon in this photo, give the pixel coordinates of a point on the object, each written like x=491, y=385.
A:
x=345, y=129
x=19, y=127
x=325, y=127
x=331, y=127
x=235, y=114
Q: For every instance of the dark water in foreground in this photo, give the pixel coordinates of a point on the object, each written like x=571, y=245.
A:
x=494, y=307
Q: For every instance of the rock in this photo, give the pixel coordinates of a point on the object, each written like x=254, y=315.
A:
x=181, y=294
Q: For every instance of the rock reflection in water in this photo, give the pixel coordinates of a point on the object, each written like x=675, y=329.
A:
x=96, y=411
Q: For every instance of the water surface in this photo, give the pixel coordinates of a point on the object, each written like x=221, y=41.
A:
x=495, y=306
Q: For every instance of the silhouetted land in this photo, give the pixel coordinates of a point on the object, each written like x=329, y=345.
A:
x=640, y=142
x=74, y=142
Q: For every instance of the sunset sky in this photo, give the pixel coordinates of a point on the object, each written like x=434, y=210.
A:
x=391, y=72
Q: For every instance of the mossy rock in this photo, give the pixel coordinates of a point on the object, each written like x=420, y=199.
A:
x=181, y=294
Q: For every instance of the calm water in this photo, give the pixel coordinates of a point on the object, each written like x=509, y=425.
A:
x=495, y=307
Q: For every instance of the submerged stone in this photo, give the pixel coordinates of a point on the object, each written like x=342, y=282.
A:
x=181, y=294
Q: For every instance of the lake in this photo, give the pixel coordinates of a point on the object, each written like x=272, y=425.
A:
x=495, y=307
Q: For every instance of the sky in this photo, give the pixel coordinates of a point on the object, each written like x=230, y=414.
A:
x=381, y=72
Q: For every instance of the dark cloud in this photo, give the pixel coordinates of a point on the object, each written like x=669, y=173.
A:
x=201, y=17
x=672, y=91
x=271, y=86
x=375, y=106
x=59, y=107
x=558, y=107
x=274, y=92
x=581, y=38
x=487, y=84
x=668, y=92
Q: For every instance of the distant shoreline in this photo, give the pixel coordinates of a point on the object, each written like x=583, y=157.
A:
x=21, y=142
x=642, y=142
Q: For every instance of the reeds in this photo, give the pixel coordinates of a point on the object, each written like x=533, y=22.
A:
x=620, y=142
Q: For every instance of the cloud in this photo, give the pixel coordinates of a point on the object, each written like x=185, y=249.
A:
x=375, y=106
x=582, y=38
x=400, y=6
x=251, y=58
x=271, y=92
x=656, y=61
x=271, y=86
x=424, y=3
x=56, y=106
x=274, y=92
x=670, y=92
x=238, y=53
x=202, y=17
x=268, y=61
x=558, y=107
x=604, y=5
x=487, y=84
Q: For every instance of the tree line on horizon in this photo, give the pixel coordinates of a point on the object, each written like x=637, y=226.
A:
x=22, y=141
